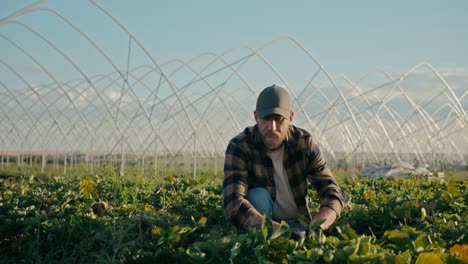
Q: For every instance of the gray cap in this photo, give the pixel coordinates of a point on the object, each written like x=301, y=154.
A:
x=273, y=100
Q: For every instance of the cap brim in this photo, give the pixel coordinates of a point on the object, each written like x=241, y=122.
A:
x=273, y=111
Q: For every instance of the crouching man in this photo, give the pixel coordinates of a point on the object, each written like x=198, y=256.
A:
x=268, y=166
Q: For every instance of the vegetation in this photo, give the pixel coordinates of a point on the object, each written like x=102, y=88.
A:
x=109, y=218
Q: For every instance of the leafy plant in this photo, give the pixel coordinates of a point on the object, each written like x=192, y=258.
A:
x=175, y=219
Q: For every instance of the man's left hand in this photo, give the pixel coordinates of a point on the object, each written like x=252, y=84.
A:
x=326, y=214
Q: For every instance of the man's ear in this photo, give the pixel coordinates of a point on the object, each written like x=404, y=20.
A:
x=256, y=116
x=291, y=116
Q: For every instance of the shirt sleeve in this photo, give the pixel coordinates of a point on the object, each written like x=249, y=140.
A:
x=237, y=208
x=323, y=181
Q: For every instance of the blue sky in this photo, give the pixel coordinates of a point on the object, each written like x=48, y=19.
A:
x=349, y=37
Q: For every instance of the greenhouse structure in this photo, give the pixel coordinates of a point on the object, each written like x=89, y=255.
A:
x=121, y=105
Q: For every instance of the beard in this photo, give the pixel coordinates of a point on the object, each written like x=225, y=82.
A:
x=273, y=140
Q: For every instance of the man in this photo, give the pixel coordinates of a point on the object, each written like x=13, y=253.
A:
x=267, y=167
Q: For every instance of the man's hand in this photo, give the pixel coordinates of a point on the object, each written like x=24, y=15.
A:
x=256, y=222
x=326, y=214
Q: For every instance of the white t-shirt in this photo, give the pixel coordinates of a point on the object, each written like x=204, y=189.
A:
x=285, y=207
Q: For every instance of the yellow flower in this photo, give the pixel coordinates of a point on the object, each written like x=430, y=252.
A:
x=462, y=251
x=429, y=257
x=170, y=177
x=202, y=221
x=156, y=231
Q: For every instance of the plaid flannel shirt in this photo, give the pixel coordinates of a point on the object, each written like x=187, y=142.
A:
x=247, y=165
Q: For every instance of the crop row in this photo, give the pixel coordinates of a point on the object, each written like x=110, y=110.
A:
x=109, y=218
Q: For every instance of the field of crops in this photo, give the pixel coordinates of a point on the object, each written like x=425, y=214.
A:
x=108, y=218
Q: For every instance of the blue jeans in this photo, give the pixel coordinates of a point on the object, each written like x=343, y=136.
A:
x=260, y=198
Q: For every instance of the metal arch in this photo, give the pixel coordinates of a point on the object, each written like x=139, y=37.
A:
x=148, y=54
x=416, y=108
x=90, y=103
x=375, y=113
x=362, y=139
x=13, y=124
x=328, y=76
x=407, y=125
x=217, y=91
x=109, y=112
x=22, y=11
x=186, y=86
x=203, y=78
x=320, y=133
x=121, y=130
x=19, y=103
x=452, y=96
x=27, y=83
x=42, y=67
x=91, y=42
x=187, y=65
x=333, y=108
x=83, y=119
x=374, y=116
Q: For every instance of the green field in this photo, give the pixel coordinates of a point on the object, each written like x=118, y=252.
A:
x=108, y=218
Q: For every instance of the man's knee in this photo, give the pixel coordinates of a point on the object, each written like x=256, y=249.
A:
x=260, y=198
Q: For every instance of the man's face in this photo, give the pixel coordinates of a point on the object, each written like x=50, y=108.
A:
x=273, y=129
